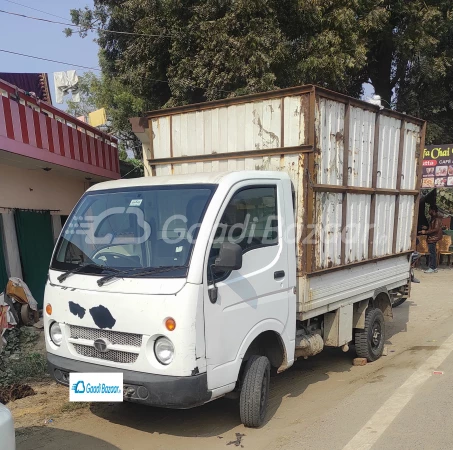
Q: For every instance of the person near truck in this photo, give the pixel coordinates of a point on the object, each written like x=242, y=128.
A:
x=434, y=235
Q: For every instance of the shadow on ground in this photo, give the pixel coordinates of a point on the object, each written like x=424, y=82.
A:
x=222, y=415
x=400, y=320
x=28, y=438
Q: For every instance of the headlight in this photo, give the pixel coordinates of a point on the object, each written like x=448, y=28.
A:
x=56, y=335
x=164, y=350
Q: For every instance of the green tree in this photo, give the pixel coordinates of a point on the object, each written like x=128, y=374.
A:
x=184, y=51
x=87, y=102
x=107, y=92
x=187, y=51
x=409, y=61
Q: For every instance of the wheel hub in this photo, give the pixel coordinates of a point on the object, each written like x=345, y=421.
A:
x=376, y=339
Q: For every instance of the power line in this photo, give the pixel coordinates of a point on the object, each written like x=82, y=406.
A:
x=50, y=60
x=34, y=9
x=98, y=69
x=81, y=27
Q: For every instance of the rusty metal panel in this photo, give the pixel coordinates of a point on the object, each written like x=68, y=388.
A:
x=296, y=120
x=236, y=128
x=357, y=227
x=294, y=166
x=361, y=139
x=409, y=167
x=327, y=232
x=289, y=163
x=404, y=227
x=383, y=225
x=348, y=171
x=270, y=128
x=330, y=129
x=387, y=164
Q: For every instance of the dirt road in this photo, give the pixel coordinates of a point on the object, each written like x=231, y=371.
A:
x=323, y=402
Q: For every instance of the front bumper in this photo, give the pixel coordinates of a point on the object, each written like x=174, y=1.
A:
x=146, y=388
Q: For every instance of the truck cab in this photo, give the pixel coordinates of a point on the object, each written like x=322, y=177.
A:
x=181, y=283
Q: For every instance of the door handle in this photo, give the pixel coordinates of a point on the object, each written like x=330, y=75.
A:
x=279, y=274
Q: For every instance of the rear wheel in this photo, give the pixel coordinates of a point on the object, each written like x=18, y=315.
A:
x=255, y=391
x=369, y=342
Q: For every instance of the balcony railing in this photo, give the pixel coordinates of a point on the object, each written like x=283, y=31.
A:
x=39, y=130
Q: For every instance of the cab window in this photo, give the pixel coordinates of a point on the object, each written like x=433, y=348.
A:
x=250, y=220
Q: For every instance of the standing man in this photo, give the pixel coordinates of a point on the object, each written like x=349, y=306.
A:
x=434, y=233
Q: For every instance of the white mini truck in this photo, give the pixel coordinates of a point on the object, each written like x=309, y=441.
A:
x=268, y=227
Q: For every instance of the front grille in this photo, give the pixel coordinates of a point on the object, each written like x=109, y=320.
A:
x=115, y=337
x=111, y=355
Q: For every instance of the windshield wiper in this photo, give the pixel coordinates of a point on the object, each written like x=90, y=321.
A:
x=138, y=271
x=78, y=269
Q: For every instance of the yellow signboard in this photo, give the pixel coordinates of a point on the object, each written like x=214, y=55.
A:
x=97, y=118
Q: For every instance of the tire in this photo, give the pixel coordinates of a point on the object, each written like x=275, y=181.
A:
x=398, y=302
x=255, y=391
x=27, y=315
x=369, y=342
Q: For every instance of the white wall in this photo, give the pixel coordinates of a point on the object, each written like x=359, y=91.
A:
x=37, y=189
x=11, y=250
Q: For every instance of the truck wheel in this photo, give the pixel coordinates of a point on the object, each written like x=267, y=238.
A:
x=369, y=342
x=255, y=391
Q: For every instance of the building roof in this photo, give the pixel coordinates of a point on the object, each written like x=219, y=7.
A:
x=30, y=82
x=34, y=130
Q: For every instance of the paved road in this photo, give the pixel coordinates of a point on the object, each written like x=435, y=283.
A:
x=397, y=402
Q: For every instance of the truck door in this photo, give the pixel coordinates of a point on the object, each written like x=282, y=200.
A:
x=255, y=296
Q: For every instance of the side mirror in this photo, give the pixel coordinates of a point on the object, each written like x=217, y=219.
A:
x=230, y=257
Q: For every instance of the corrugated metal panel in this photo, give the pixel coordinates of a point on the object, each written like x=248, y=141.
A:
x=328, y=291
x=404, y=227
x=257, y=125
x=356, y=235
x=330, y=130
x=409, y=168
x=161, y=133
x=294, y=166
x=236, y=128
x=389, y=136
x=163, y=170
x=295, y=116
x=328, y=230
x=383, y=226
x=361, y=143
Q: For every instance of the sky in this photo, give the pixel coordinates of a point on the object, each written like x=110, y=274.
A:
x=42, y=39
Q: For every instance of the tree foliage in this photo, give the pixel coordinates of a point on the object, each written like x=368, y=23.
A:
x=186, y=51
x=120, y=103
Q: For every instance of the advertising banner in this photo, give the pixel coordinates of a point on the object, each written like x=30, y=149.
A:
x=438, y=166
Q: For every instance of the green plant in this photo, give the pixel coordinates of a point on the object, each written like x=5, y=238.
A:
x=27, y=367
x=16, y=365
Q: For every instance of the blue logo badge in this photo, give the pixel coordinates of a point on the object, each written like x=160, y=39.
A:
x=79, y=387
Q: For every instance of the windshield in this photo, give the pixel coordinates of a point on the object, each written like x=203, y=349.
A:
x=134, y=228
